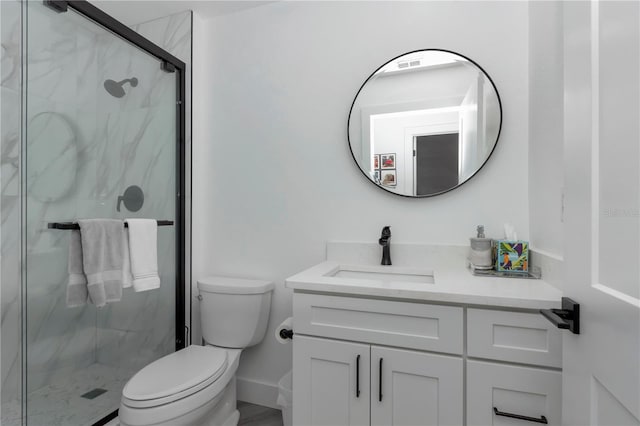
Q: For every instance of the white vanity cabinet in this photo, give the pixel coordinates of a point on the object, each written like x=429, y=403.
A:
x=343, y=383
x=415, y=388
x=518, y=372
x=366, y=361
x=331, y=379
x=496, y=391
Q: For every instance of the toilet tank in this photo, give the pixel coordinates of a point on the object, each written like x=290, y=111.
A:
x=234, y=311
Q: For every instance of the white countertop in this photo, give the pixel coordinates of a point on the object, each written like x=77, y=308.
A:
x=454, y=283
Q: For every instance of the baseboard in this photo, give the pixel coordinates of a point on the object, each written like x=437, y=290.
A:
x=255, y=392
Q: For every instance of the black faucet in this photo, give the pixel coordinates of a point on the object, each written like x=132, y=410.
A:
x=386, y=245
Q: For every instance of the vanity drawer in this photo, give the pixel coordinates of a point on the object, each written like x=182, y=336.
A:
x=392, y=323
x=513, y=336
x=524, y=391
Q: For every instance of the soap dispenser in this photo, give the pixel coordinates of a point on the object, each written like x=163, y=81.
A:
x=480, y=254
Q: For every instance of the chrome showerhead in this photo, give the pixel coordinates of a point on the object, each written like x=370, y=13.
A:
x=115, y=88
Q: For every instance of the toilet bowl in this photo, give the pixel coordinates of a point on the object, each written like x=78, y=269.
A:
x=196, y=385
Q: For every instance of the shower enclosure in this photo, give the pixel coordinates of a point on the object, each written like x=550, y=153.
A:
x=102, y=111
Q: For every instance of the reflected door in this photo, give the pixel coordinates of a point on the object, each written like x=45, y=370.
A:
x=436, y=163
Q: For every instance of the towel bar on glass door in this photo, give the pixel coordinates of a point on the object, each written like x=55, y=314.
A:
x=73, y=225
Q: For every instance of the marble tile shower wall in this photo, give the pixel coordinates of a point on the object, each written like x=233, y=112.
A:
x=102, y=145
x=174, y=34
x=10, y=69
x=63, y=140
x=142, y=327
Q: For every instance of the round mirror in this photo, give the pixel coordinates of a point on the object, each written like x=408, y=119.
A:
x=424, y=123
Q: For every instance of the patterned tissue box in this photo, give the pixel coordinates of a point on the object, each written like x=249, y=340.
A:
x=512, y=256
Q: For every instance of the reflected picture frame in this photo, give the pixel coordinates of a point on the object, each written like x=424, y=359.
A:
x=388, y=178
x=387, y=161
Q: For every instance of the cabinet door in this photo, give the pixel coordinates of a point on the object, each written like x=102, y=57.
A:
x=512, y=390
x=417, y=388
x=330, y=382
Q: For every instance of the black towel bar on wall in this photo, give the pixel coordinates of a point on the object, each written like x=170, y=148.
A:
x=567, y=318
x=74, y=225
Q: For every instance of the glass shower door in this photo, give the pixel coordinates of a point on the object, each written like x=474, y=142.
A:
x=100, y=117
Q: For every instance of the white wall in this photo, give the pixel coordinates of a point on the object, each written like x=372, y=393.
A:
x=546, y=131
x=273, y=174
x=201, y=171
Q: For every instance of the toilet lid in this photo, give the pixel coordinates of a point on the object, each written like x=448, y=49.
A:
x=176, y=373
x=229, y=285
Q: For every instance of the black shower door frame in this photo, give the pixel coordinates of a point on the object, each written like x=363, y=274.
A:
x=169, y=63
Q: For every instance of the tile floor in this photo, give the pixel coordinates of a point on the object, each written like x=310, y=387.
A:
x=250, y=415
x=10, y=413
x=60, y=403
x=257, y=415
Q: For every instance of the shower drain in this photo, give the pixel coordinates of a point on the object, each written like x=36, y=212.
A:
x=94, y=393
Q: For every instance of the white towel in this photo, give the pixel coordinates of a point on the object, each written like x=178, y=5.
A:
x=102, y=243
x=143, y=253
x=127, y=278
x=77, y=293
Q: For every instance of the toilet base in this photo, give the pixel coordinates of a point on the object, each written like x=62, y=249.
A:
x=224, y=412
x=233, y=419
x=219, y=412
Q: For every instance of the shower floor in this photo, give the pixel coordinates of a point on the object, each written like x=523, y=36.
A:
x=60, y=403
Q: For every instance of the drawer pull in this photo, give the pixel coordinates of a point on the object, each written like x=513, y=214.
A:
x=380, y=383
x=542, y=419
x=358, y=376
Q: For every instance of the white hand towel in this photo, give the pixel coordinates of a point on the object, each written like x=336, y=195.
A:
x=102, y=242
x=143, y=252
x=127, y=278
x=77, y=293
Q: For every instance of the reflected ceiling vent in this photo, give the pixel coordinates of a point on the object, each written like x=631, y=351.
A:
x=409, y=64
x=415, y=61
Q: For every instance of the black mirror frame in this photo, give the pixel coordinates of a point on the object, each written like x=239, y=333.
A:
x=460, y=184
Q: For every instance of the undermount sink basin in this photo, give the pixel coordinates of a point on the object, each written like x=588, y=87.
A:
x=384, y=273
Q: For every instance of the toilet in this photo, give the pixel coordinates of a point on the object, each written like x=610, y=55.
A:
x=197, y=385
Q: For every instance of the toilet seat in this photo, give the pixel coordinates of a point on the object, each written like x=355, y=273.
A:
x=175, y=376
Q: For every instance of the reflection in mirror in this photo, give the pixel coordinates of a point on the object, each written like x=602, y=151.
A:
x=52, y=153
x=424, y=123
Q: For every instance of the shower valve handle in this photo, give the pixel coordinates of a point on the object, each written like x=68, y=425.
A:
x=133, y=199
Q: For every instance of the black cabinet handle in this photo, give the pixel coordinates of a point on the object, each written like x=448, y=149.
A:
x=358, y=376
x=380, y=383
x=542, y=419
